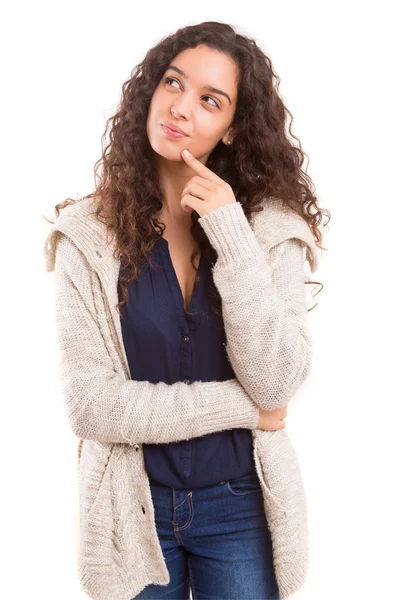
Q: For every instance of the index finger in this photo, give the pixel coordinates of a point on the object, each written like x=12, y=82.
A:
x=198, y=167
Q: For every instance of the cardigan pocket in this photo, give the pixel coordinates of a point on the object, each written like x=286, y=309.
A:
x=285, y=507
x=99, y=559
x=94, y=462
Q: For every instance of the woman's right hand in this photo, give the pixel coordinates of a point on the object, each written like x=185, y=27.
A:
x=272, y=420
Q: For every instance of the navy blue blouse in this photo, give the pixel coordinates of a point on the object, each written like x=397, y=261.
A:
x=163, y=343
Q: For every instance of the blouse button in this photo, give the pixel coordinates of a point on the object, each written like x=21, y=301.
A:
x=186, y=338
x=186, y=380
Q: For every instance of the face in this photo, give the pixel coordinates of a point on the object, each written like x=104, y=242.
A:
x=202, y=113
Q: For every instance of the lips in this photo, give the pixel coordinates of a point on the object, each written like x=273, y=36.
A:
x=174, y=128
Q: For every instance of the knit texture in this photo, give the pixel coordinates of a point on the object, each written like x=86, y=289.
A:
x=260, y=277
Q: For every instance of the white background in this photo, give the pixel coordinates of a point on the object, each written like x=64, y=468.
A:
x=63, y=65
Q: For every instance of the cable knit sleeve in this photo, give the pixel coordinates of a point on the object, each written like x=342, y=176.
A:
x=260, y=276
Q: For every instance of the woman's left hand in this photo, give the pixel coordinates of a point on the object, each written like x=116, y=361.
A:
x=205, y=191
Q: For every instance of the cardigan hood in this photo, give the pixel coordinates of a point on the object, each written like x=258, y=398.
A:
x=274, y=224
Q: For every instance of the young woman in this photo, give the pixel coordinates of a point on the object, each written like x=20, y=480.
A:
x=178, y=391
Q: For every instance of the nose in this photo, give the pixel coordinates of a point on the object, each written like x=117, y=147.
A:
x=183, y=107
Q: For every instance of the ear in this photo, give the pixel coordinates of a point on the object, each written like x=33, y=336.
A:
x=228, y=137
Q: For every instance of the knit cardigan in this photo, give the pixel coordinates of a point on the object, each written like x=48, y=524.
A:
x=260, y=274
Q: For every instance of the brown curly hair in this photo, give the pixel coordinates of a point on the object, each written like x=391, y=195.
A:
x=258, y=165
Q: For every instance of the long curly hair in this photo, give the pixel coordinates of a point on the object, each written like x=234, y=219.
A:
x=262, y=162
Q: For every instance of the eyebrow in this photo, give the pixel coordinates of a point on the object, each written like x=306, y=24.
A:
x=210, y=88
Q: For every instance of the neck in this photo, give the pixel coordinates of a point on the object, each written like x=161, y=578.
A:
x=173, y=177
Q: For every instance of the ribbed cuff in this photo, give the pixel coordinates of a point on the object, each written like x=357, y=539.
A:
x=232, y=407
x=230, y=233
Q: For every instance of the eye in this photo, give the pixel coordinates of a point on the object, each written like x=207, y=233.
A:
x=168, y=80
x=211, y=98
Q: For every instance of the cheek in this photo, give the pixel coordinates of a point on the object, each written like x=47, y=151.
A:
x=204, y=127
x=212, y=133
x=209, y=125
x=154, y=104
x=154, y=116
x=152, y=108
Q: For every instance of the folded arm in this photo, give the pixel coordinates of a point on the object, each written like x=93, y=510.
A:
x=101, y=403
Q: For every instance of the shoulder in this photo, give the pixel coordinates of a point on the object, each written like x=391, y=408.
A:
x=278, y=222
x=76, y=225
x=81, y=209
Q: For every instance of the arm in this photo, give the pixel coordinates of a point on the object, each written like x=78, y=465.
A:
x=101, y=404
x=263, y=304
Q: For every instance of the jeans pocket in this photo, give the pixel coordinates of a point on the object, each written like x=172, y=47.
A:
x=247, y=484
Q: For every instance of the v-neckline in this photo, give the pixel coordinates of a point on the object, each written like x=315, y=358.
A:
x=179, y=287
x=176, y=280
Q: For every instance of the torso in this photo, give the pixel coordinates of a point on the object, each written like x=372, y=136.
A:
x=181, y=245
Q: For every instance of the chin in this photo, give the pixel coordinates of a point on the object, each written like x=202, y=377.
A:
x=173, y=154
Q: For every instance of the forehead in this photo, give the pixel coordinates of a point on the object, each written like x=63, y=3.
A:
x=205, y=66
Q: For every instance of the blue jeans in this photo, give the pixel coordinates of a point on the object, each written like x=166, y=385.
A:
x=215, y=541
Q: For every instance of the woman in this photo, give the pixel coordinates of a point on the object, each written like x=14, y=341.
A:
x=182, y=323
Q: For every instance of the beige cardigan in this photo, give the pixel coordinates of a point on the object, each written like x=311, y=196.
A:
x=260, y=276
